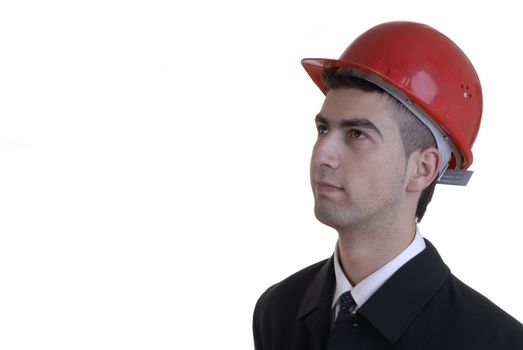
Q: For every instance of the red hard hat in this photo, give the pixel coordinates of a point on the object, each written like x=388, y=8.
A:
x=423, y=69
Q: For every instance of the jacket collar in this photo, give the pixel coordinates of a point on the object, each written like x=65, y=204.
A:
x=315, y=307
x=320, y=290
x=393, y=306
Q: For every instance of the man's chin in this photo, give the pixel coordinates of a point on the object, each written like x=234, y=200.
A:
x=330, y=218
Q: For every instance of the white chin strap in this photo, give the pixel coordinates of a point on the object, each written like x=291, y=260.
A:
x=443, y=142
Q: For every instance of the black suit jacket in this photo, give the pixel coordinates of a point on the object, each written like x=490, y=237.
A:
x=422, y=306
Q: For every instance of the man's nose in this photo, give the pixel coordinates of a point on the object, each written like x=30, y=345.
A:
x=326, y=152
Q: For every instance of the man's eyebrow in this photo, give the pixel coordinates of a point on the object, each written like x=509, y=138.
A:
x=352, y=122
x=321, y=119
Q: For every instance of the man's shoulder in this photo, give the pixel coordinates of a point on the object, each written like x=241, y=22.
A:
x=276, y=312
x=292, y=287
x=477, y=318
x=455, y=302
x=286, y=296
x=475, y=306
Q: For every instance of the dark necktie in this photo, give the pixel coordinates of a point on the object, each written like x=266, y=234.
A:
x=346, y=302
x=340, y=336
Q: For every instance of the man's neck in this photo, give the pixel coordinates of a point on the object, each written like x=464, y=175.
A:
x=362, y=252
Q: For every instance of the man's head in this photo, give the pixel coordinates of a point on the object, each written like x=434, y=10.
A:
x=372, y=158
x=417, y=71
x=414, y=134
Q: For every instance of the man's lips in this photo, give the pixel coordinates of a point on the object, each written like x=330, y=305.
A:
x=324, y=186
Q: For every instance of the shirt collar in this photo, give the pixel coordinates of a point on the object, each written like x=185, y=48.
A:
x=366, y=288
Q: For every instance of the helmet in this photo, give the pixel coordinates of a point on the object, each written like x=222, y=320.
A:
x=429, y=74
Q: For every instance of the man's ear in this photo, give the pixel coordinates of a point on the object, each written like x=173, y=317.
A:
x=423, y=168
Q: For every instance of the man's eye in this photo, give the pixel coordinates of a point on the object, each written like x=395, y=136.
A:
x=322, y=129
x=357, y=134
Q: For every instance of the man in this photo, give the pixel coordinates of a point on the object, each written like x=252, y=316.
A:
x=402, y=110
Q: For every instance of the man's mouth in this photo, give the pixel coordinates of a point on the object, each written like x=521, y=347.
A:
x=324, y=186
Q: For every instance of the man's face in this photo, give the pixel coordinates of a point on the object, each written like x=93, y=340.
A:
x=358, y=162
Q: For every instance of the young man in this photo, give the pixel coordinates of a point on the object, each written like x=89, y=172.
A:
x=402, y=110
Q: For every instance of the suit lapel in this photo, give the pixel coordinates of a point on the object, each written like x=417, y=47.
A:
x=315, y=307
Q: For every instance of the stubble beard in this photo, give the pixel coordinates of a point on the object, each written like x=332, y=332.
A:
x=349, y=216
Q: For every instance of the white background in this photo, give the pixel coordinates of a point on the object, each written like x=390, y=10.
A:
x=154, y=163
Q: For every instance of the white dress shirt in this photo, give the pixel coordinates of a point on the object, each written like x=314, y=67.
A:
x=368, y=286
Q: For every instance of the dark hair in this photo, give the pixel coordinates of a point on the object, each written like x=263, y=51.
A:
x=414, y=134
